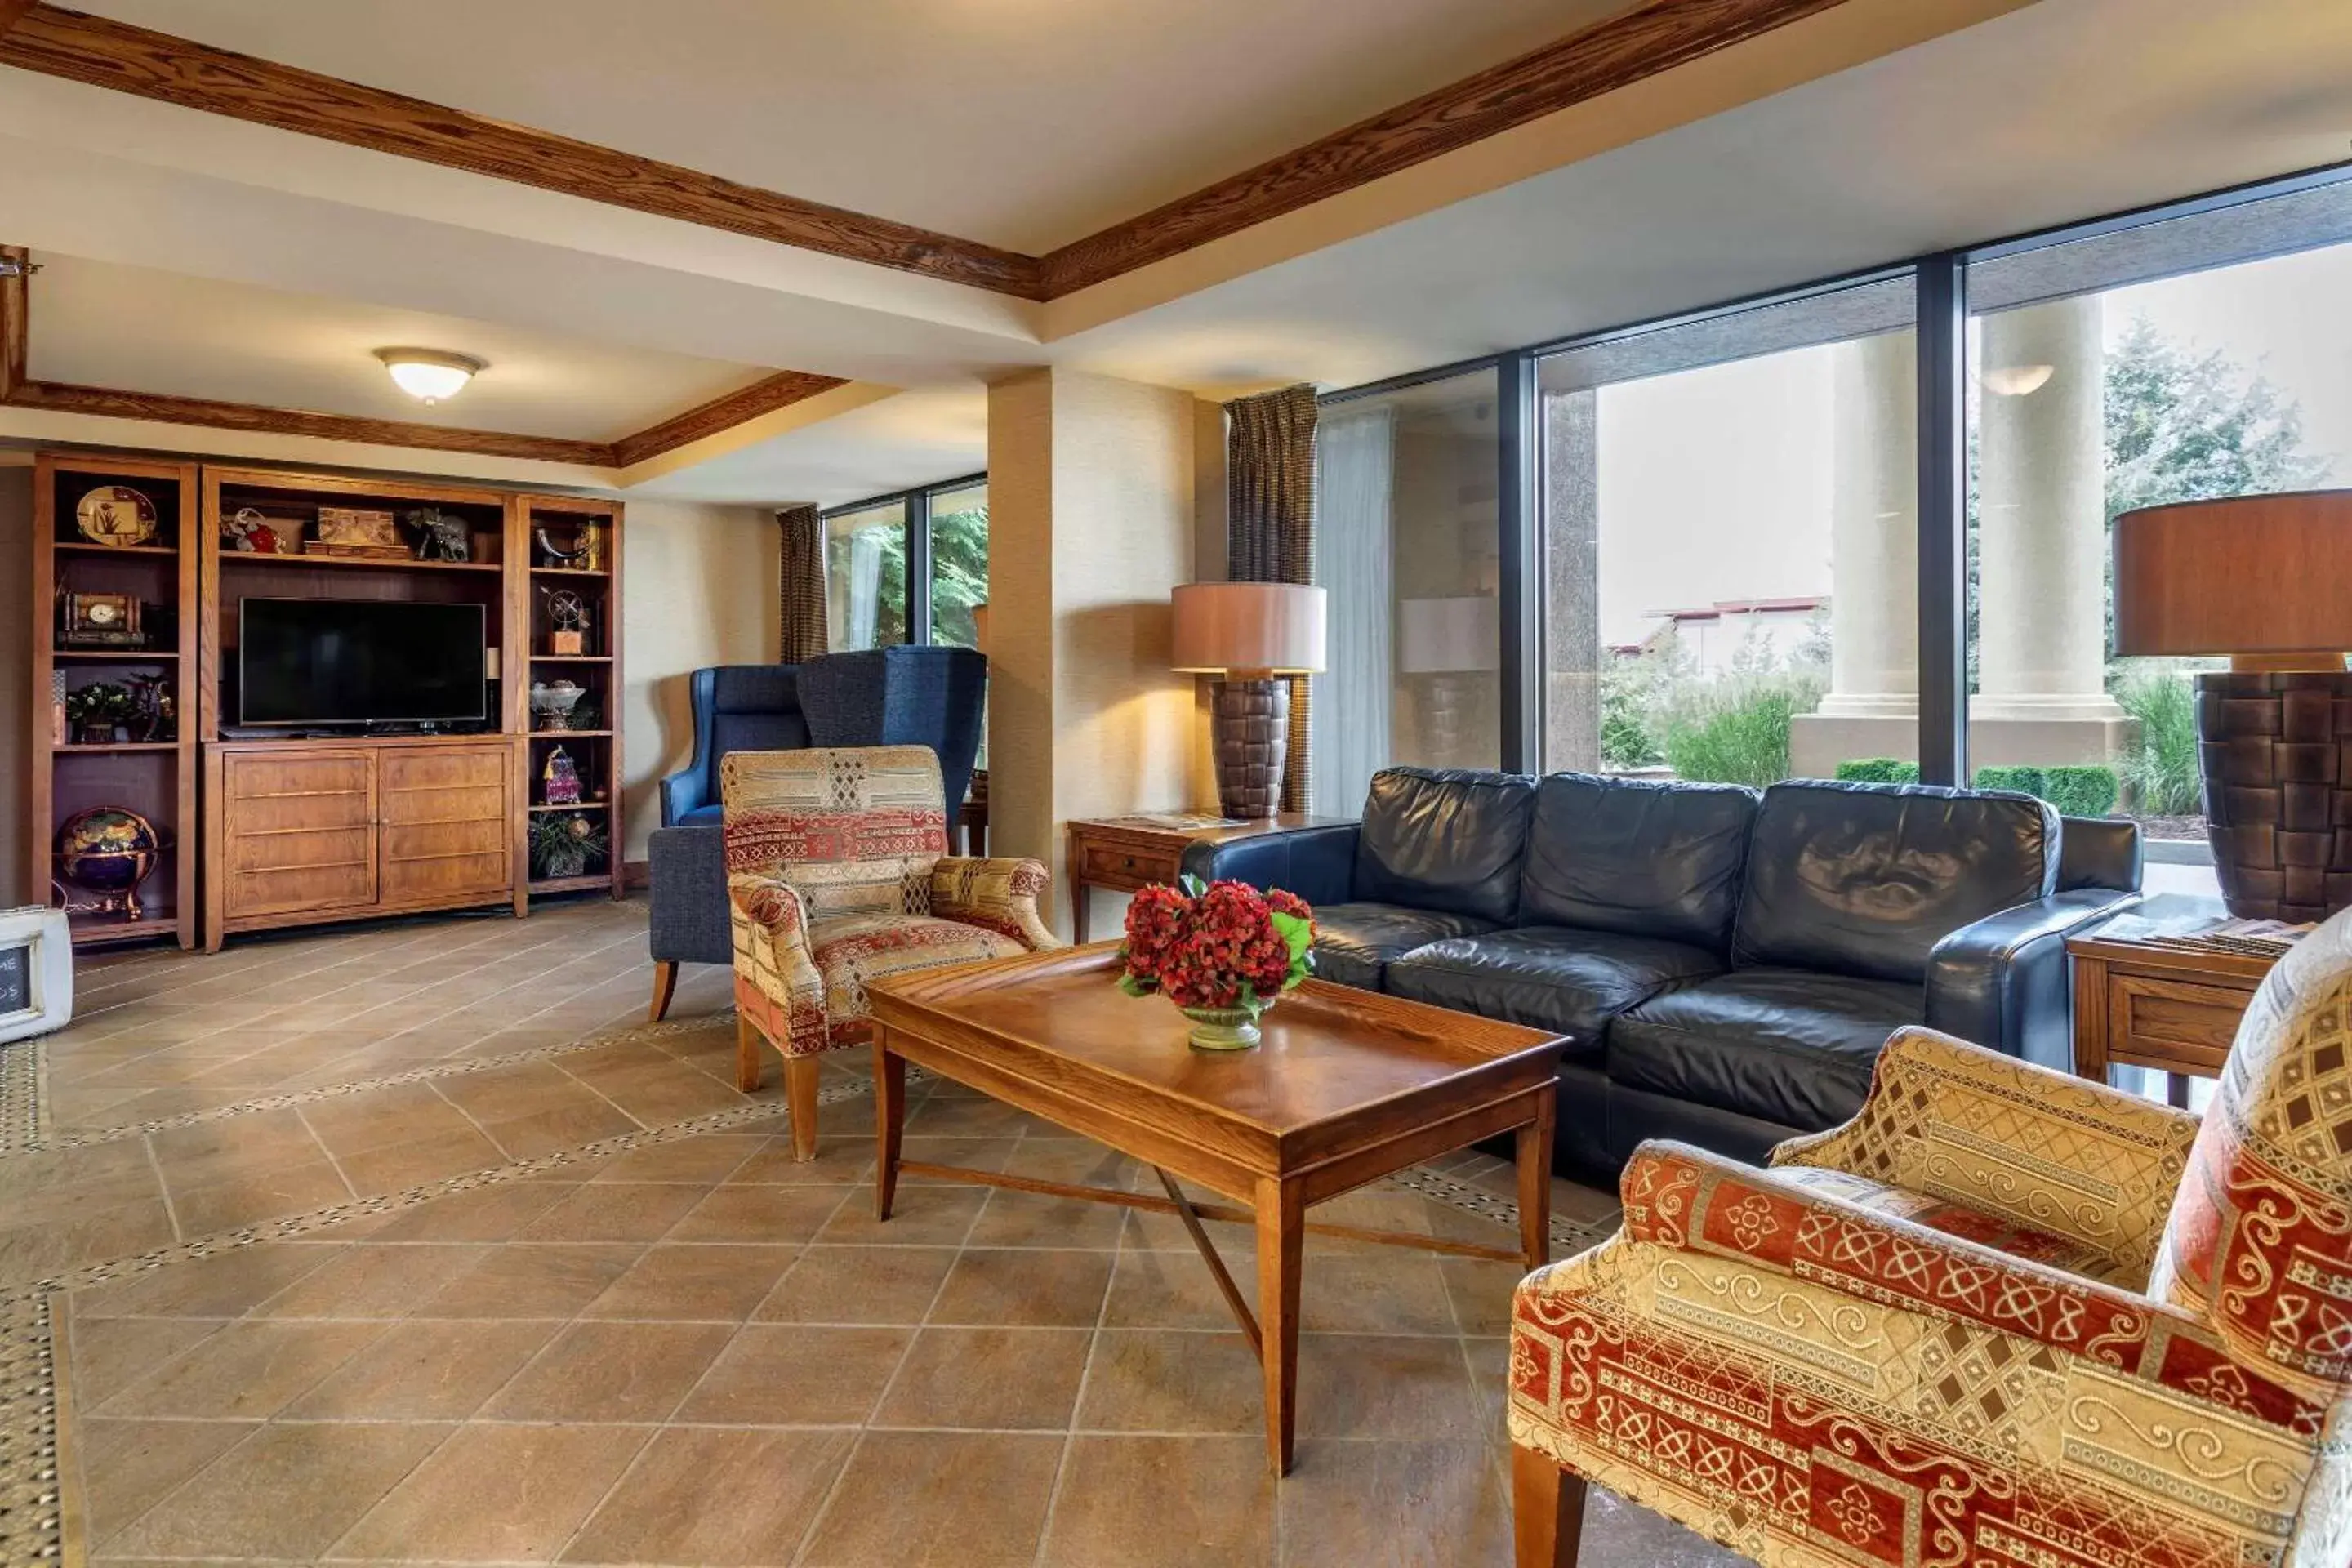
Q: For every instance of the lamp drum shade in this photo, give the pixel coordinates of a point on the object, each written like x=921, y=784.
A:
x=1259, y=628
x=2265, y=574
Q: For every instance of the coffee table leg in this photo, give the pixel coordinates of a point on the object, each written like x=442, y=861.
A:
x=890, y=1122
x=1281, y=1232
x=1535, y=1185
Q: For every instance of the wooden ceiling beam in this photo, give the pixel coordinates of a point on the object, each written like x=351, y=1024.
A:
x=1614, y=53
x=114, y=54
x=1610, y=54
x=20, y=390
x=63, y=397
x=781, y=390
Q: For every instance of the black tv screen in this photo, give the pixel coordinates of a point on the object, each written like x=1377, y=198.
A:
x=355, y=661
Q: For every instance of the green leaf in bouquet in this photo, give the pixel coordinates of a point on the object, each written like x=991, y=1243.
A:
x=1193, y=886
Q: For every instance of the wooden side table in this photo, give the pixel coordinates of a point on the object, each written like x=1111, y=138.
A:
x=2144, y=1004
x=1128, y=853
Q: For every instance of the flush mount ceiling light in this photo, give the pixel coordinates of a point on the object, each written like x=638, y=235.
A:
x=429, y=374
x=2019, y=380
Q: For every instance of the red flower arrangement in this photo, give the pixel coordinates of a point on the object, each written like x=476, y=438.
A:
x=1222, y=946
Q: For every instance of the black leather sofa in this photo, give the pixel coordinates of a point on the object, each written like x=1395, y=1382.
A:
x=1726, y=964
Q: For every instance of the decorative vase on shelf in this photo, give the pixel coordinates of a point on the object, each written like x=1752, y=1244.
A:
x=1223, y=953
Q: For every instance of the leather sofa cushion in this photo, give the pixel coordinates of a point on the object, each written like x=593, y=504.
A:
x=1548, y=977
x=1780, y=1045
x=1354, y=943
x=1446, y=839
x=1634, y=856
x=1864, y=880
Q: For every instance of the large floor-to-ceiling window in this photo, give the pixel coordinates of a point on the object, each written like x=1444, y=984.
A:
x=2194, y=357
x=1727, y=513
x=1859, y=527
x=1406, y=546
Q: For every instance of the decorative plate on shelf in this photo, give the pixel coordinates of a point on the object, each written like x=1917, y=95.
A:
x=116, y=515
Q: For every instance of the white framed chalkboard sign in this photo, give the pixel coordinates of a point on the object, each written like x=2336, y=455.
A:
x=36, y=972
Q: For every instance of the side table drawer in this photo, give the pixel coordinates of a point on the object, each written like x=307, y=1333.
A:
x=2173, y=1020
x=1121, y=865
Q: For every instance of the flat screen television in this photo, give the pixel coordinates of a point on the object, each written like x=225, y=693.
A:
x=359, y=661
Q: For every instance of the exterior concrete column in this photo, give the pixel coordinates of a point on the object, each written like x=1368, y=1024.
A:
x=1091, y=524
x=1572, y=656
x=1872, y=709
x=2042, y=541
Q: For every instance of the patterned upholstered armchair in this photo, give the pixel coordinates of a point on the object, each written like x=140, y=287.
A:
x=837, y=873
x=2002, y=1317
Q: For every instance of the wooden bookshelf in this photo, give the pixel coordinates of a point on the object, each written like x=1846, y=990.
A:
x=156, y=779
x=595, y=750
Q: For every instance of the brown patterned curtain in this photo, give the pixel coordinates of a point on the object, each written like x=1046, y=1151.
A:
x=805, y=636
x=1270, y=529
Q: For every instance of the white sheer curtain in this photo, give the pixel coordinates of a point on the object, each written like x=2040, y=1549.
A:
x=1355, y=557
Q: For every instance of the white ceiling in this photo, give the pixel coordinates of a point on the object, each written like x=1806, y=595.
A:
x=2061, y=110
x=99, y=323
x=1023, y=123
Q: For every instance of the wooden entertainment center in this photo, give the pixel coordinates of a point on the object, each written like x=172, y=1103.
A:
x=295, y=827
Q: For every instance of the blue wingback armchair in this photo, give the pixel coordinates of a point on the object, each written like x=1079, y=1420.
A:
x=737, y=707
x=931, y=697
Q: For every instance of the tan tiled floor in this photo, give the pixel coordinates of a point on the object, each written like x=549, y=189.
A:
x=696, y=1351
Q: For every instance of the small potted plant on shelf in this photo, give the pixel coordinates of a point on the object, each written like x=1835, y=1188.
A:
x=566, y=843
x=98, y=712
x=1223, y=953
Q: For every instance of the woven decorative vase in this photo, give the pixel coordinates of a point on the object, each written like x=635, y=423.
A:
x=2278, y=792
x=1221, y=1028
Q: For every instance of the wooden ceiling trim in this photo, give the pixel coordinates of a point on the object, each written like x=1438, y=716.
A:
x=114, y=54
x=1618, y=52
x=781, y=390
x=63, y=397
x=1601, y=58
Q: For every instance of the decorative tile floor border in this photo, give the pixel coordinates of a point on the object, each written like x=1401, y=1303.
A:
x=23, y=1128
x=32, y=1506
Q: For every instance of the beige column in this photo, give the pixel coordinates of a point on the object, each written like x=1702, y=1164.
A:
x=1872, y=709
x=2041, y=540
x=1091, y=524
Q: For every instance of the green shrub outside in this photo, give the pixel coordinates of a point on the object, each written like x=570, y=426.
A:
x=1735, y=730
x=2074, y=791
x=2081, y=791
x=2162, y=773
x=1878, y=769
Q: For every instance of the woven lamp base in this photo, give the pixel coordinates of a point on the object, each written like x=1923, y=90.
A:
x=2276, y=754
x=1251, y=729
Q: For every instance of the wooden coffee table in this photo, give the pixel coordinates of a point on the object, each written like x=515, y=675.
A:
x=1348, y=1086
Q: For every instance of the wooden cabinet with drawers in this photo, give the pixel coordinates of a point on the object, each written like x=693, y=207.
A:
x=304, y=831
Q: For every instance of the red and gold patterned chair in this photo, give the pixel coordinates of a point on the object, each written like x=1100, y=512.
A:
x=2003, y=1317
x=837, y=873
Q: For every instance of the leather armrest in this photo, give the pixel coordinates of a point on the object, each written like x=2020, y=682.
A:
x=681, y=792
x=1318, y=864
x=2001, y=981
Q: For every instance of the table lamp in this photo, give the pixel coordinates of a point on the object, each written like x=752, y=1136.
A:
x=1251, y=637
x=2266, y=580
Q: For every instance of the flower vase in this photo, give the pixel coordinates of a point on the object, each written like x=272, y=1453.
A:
x=1221, y=1028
